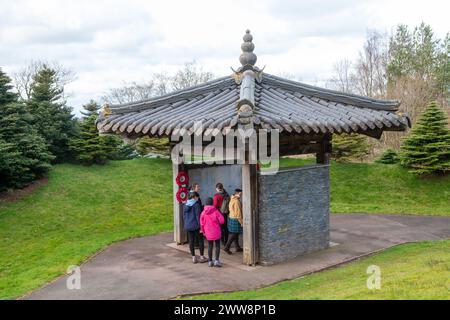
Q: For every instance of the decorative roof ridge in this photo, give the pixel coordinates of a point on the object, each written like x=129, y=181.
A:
x=176, y=95
x=332, y=95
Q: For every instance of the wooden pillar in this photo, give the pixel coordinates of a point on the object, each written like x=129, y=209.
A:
x=249, y=208
x=180, y=236
x=324, y=154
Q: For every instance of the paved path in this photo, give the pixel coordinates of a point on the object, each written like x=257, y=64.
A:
x=147, y=268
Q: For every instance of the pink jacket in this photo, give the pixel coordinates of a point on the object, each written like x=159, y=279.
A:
x=210, y=221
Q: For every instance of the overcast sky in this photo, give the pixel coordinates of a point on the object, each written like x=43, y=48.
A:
x=109, y=42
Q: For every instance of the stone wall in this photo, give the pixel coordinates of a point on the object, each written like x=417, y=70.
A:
x=293, y=213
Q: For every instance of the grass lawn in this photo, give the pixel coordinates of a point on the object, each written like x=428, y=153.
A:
x=410, y=271
x=381, y=188
x=80, y=211
x=83, y=209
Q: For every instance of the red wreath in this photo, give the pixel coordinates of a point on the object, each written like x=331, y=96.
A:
x=182, y=179
x=182, y=195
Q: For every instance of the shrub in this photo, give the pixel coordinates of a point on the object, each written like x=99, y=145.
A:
x=427, y=149
x=388, y=157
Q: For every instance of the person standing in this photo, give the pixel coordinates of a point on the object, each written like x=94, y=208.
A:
x=196, y=188
x=221, y=203
x=210, y=222
x=191, y=216
x=235, y=221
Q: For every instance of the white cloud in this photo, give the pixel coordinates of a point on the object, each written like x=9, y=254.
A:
x=108, y=42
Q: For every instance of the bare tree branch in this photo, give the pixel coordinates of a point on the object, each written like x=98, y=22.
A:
x=158, y=84
x=23, y=78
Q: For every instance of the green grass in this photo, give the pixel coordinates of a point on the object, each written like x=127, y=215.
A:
x=79, y=212
x=83, y=209
x=381, y=188
x=411, y=271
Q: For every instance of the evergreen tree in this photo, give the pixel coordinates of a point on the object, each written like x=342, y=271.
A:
x=347, y=147
x=388, y=157
x=6, y=96
x=92, y=108
x=91, y=148
x=418, y=54
x=52, y=118
x=23, y=153
x=158, y=146
x=427, y=149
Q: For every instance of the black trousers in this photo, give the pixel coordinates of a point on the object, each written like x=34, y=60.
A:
x=211, y=244
x=224, y=228
x=233, y=237
x=195, y=237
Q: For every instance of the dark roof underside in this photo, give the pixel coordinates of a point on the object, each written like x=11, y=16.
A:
x=279, y=104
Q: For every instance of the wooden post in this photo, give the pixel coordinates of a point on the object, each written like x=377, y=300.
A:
x=249, y=208
x=324, y=154
x=180, y=236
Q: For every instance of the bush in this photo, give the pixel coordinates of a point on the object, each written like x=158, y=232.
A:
x=388, y=157
x=427, y=149
x=347, y=147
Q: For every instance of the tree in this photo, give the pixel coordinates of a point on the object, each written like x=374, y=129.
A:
x=24, y=78
x=347, y=147
x=190, y=75
x=388, y=157
x=23, y=153
x=91, y=108
x=89, y=147
x=159, y=84
x=53, y=119
x=419, y=55
x=427, y=149
x=159, y=146
x=369, y=77
x=342, y=79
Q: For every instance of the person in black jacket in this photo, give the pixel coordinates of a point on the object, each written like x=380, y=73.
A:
x=191, y=216
x=196, y=188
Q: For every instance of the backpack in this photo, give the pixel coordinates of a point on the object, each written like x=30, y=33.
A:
x=225, y=207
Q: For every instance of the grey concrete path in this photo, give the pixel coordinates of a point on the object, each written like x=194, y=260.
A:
x=147, y=268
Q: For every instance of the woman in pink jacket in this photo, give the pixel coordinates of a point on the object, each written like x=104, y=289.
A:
x=210, y=221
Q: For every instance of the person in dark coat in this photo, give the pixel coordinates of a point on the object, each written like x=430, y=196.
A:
x=191, y=217
x=196, y=188
x=221, y=200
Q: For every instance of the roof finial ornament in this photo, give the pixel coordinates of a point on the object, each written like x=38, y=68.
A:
x=248, y=58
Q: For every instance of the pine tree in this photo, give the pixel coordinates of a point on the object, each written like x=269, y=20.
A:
x=52, y=118
x=347, y=147
x=427, y=149
x=91, y=148
x=149, y=145
x=23, y=153
x=92, y=108
x=6, y=96
x=388, y=157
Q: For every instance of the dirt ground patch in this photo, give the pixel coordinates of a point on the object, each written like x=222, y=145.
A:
x=14, y=195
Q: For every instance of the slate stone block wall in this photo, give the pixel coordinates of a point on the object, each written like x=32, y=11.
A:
x=293, y=213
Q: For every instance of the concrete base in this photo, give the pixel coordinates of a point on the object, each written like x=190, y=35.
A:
x=147, y=268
